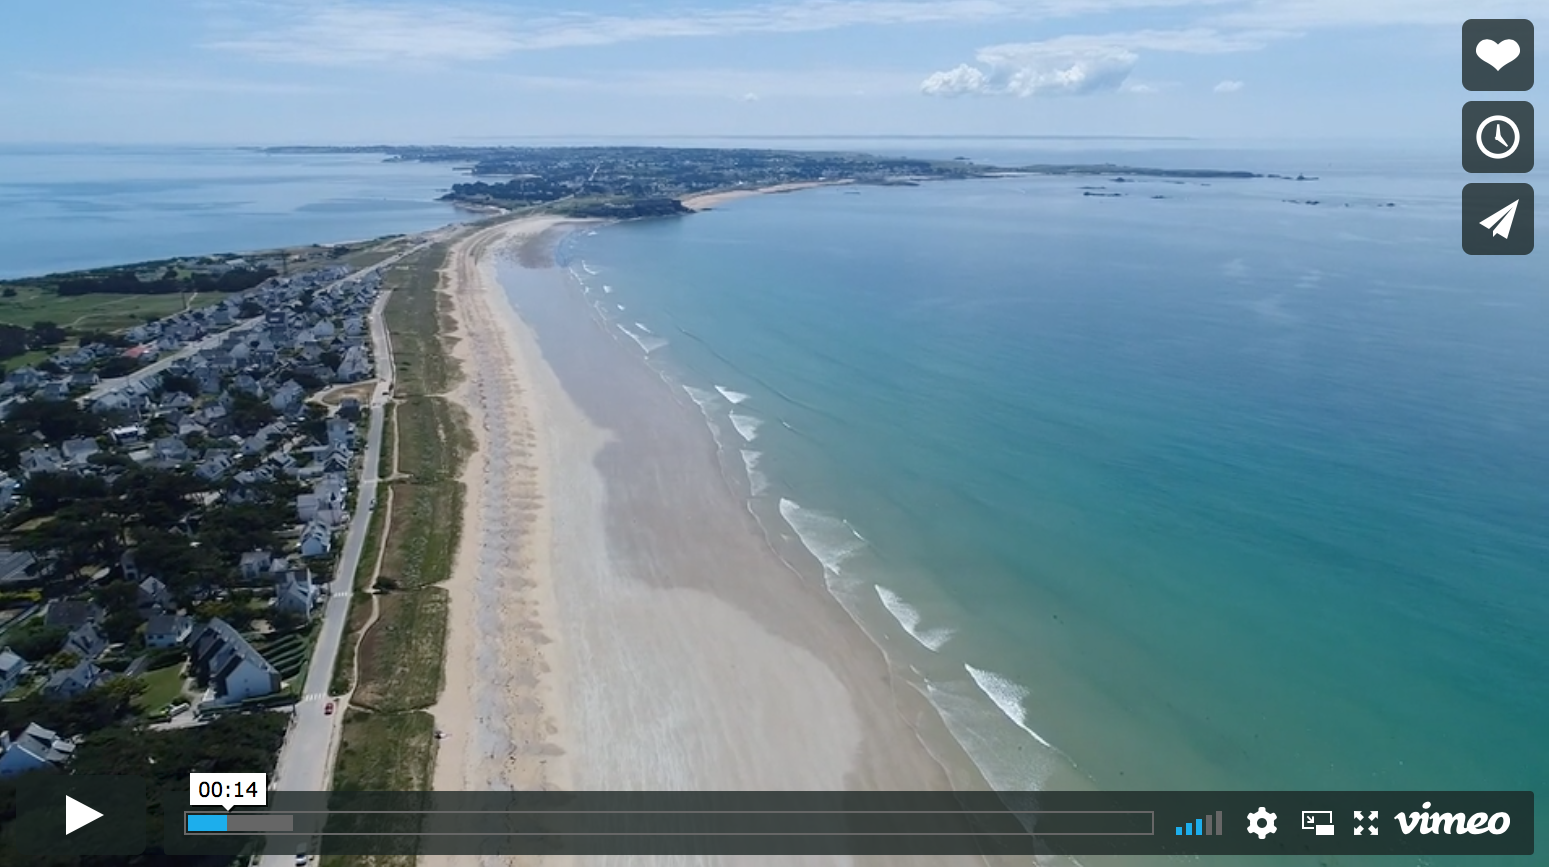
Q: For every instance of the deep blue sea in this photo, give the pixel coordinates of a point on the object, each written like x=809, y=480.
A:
x=69, y=207
x=1201, y=486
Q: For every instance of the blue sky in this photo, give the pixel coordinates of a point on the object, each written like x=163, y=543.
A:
x=324, y=71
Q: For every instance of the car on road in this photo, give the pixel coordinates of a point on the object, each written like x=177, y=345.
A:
x=328, y=709
x=302, y=857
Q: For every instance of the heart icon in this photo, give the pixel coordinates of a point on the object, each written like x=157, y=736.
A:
x=1497, y=54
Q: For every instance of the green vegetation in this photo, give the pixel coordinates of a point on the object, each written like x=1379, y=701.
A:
x=98, y=312
x=164, y=759
x=423, y=365
x=388, y=736
x=163, y=687
x=422, y=535
x=401, y=655
x=383, y=753
x=432, y=435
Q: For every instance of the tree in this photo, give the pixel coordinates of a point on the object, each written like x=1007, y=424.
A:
x=47, y=334
x=8, y=293
x=34, y=640
x=178, y=383
x=118, y=365
x=156, y=498
x=56, y=420
x=49, y=491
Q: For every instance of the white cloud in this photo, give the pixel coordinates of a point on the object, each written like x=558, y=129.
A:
x=1078, y=64
x=1228, y=87
x=750, y=96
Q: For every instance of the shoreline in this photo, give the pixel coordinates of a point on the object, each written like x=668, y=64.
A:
x=707, y=201
x=592, y=582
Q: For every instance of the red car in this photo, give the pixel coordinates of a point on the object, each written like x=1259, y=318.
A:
x=328, y=708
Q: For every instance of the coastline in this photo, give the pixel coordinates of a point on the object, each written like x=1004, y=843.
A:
x=706, y=201
x=618, y=619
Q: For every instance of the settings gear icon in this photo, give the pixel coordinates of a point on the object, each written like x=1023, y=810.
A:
x=1261, y=822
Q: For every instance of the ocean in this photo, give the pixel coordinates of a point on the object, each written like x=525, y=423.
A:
x=1222, y=484
x=64, y=208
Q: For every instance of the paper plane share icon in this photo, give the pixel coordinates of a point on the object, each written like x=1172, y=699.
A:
x=1500, y=221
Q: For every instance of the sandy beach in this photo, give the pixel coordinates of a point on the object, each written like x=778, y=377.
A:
x=618, y=621
x=709, y=200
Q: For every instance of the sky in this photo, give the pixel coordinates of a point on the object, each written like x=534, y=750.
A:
x=432, y=72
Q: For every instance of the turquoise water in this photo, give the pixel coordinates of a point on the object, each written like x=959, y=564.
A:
x=1214, y=490
x=69, y=207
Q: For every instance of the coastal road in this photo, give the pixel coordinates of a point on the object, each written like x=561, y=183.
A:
x=306, y=758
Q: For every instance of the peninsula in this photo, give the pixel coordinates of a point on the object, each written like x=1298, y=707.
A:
x=626, y=182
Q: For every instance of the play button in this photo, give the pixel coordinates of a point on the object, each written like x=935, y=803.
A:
x=78, y=815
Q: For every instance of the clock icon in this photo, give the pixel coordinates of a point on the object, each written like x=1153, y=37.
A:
x=1499, y=146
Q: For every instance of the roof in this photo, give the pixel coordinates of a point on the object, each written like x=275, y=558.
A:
x=165, y=624
x=70, y=612
x=10, y=662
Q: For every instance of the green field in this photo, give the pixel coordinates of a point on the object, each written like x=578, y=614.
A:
x=163, y=686
x=402, y=655
x=95, y=312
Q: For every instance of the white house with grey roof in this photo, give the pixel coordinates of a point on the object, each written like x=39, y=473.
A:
x=234, y=670
x=12, y=669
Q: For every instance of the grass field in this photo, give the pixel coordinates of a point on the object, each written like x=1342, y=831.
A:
x=393, y=752
x=94, y=312
x=163, y=686
x=401, y=656
x=433, y=436
x=424, y=367
x=422, y=534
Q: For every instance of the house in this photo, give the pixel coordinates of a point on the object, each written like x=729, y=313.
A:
x=76, y=451
x=235, y=671
x=307, y=506
x=41, y=460
x=84, y=380
x=36, y=748
x=113, y=401
x=349, y=408
x=69, y=613
x=12, y=669
x=338, y=461
x=171, y=449
x=69, y=684
x=127, y=435
x=354, y=367
x=296, y=594
x=254, y=564
x=8, y=488
x=153, y=597
x=25, y=377
x=316, y=539
x=85, y=642
x=340, y=431
x=56, y=390
x=167, y=630
x=288, y=398
x=215, y=466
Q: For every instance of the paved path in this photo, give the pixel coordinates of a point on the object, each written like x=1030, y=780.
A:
x=306, y=759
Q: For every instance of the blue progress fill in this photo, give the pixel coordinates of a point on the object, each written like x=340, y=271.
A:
x=206, y=823
x=1178, y=830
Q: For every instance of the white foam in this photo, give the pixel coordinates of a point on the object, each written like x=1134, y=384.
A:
x=608, y=290
x=704, y=399
x=747, y=425
x=620, y=307
x=643, y=328
x=733, y=396
x=831, y=540
x=587, y=268
x=647, y=344
x=757, y=481
x=1008, y=695
x=909, y=618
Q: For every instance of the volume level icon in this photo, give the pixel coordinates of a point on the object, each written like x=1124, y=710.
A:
x=1200, y=827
